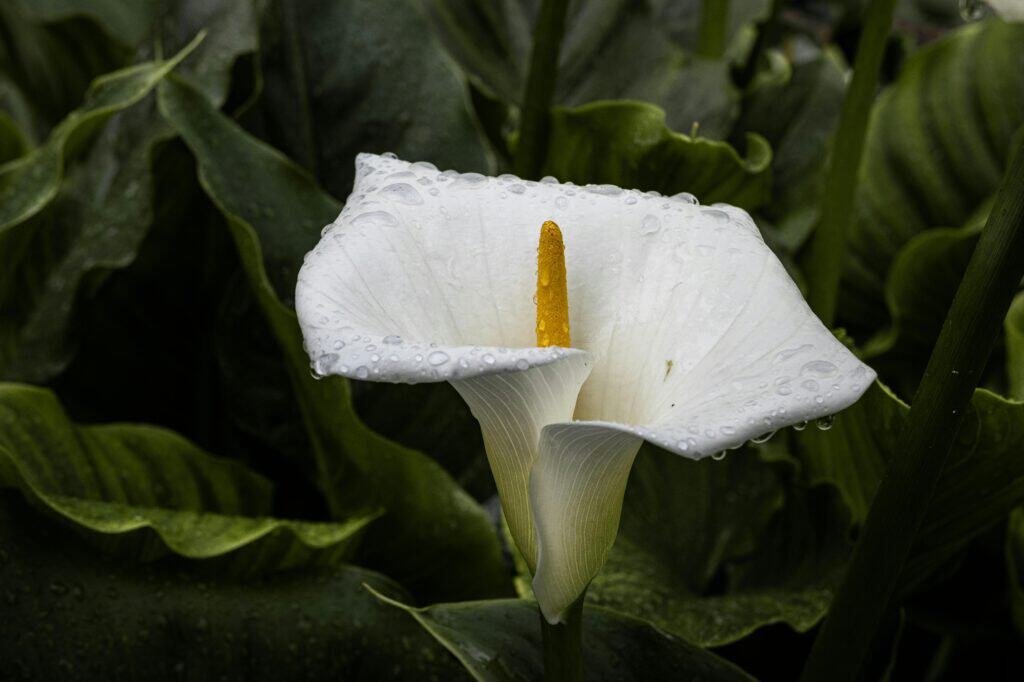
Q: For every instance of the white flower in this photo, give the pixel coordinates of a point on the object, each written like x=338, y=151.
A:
x=1010, y=10
x=686, y=331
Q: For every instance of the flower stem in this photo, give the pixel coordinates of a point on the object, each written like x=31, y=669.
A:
x=960, y=354
x=540, y=88
x=714, y=25
x=824, y=263
x=563, y=651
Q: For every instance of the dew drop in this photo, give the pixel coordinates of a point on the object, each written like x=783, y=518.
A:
x=607, y=190
x=561, y=202
x=818, y=368
x=763, y=438
x=488, y=359
x=718, y=456
x=715, y=214
x=825, y=423
x=375, y=219
x=469, y=181
x=438, y=357
x=392, y=340
x=687, y=197
x=800, y=426
x=403, y=193
x=522, y=364
x=650, y=224
x=362, y=372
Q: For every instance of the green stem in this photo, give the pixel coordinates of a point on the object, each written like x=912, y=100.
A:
x=714, y=25
x=540, y=88
x=563, y=650
x=953, y=371
x=824, y=263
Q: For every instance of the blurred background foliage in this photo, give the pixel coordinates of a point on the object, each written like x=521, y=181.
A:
x=181, y=500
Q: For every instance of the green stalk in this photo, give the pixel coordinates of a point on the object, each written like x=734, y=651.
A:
x=563, y=645
x=714, y=25
x=540, y=88
x=824, y=263
x=953, y=371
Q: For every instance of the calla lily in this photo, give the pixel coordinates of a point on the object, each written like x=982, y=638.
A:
x=686, y=332
x=1010, y=10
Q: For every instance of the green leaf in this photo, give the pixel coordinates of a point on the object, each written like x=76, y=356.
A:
x=796, y=111
x=614, y=49
x=920, y=288
x=104, y=207
x=29, y=183
x=688, y=526
x=144, y=491
x=980, y=485
x=500, y=641
x=1015, y=347
x=433, y=536
x=628, y=144
x=126, y=22
x=937, y=146
x=51, y=64
x=70, y=614
x=13, y=142
x=343, y=77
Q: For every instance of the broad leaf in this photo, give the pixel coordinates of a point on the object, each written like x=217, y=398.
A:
x=920, y=289
x=127, y=22
x=13, y=142
x=628, y=144
x=613, y=49
x=50, y=62
x=796, y=111
x=982, y=482
x=28, y=184
x=500, y=641
x=144, y=491
x=350, y=76
x=710, y=551
x=70, y=614
x=433, y=536
x=937, y=145
x=105, y=205
x=1015, y=347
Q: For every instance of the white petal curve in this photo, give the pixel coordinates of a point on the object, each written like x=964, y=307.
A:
x=512, y=409
x=576, y=492
x=1009, y=10
x=699, y=339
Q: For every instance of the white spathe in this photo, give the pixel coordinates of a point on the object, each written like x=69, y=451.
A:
x=687, y=332
x=1010, y=10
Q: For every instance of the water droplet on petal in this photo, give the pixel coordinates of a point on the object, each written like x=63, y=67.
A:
x=650, y=224
x=800, y=426
x=375, y=219
x=403, y=193
x=438, y=357
x=488, y=359
x=392, y=340
x=825, y=423
x=818, y=368
x=561, y=202
x=763, y=438
x=718, y=456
